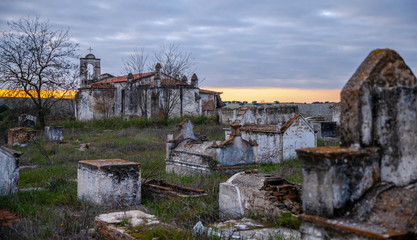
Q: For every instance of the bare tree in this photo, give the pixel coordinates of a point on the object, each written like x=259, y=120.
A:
x=135, y=62
x=171, y=97
x=34, y=58
x=175, y=61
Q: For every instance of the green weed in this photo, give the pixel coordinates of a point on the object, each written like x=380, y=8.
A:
x=290, y=170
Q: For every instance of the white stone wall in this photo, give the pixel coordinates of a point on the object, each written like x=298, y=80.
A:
x=82, y=110
x=95, y=104
x=191, y=106
x=9, y=172
x=269, y=148
x=299, y=135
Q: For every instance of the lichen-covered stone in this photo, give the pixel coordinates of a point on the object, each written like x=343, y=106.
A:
x=335, y=176
x=382, y=69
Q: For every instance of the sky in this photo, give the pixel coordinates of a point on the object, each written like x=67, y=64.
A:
x=247, y=49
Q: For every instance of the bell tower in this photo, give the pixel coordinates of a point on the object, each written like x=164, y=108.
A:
x=87, y=77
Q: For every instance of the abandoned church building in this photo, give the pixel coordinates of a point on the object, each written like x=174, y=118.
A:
x=151, y=95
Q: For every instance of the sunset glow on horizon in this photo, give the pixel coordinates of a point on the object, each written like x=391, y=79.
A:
x=279, y=94
x=66, y=94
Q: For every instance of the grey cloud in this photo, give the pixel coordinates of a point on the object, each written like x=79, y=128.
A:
x=298, y=44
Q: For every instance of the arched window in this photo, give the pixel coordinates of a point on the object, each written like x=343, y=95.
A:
x=90, y=72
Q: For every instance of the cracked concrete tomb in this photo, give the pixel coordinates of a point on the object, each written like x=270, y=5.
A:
x=111, y=182
x=246, y=193
x=9, y=171
x=187, y=154
x=275, y=143
x=367, y=187
x=258, y=115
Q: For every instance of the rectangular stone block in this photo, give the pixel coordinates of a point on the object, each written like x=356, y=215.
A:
x=54, y=133
x=9, y=171
x=335, y=176
x=109, y=182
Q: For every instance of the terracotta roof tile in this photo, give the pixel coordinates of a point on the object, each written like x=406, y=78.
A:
x=123, y=78
x=168, y=82
x=209, y=92
x=288, y=124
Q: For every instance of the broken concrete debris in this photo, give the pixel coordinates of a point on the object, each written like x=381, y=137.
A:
x=352, y=191
x=161, y=187
x=244, y=194
x=9, y=171
x=134, y=224
x=187, y=154
x=113, y=182
x=83, y=146
x=109, y=226
x=244, y=228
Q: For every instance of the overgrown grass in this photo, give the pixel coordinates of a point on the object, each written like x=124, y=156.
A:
x=120, y=123
x=290, y=170
x=159, y=232
x=321, y=143
x=54, y=212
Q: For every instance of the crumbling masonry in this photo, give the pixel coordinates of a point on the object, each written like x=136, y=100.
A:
x=149, y=95
x=367, y=187
x=187, y=154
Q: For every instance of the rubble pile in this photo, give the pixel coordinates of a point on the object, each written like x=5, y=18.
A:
x=283, y=194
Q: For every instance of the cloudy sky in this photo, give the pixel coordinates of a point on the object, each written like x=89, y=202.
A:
x=248, y=44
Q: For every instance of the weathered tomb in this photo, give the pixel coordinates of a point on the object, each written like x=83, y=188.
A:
x=9, y=171
x=263, y=194
x=261, y=115
x=54, y=133
x=276, y=143
x=27, y=120
x=108, y=226
x=367, y=188
x=20, y=136
x=113, y=182
x=244, y=229
x=187, y=154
